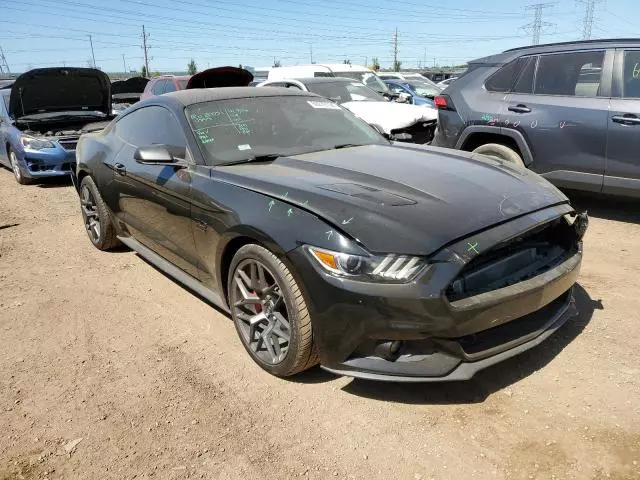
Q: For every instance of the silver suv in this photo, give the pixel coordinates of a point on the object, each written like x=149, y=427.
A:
x=568, y=111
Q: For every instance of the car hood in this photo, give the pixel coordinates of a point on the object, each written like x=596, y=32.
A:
x=221, y=77
x=48, y=90
x=400, y=199
x=391, y=115
x=129, y=89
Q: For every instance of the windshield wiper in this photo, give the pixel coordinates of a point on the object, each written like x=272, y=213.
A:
x=346, y=145
x=267, y=157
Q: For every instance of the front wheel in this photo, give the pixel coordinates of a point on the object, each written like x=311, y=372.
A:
x=270, y=313
x=17, y=171
x=500, y=151
x=97, y=218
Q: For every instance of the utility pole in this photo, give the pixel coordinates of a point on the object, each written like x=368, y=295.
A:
x=395, y=49
x=124, y=64
x=310, y=52
x=92, y=54
x=537, y=24
x=3, y=63
x=589, y=11
x=146, y=50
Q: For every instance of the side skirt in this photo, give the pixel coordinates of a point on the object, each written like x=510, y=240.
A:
x=174, y=272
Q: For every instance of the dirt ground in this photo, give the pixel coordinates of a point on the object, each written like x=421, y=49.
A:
x=108, y=369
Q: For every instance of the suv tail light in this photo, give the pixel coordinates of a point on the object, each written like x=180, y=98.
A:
x=443, y=102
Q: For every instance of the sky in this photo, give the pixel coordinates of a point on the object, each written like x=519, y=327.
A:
x=43, y=33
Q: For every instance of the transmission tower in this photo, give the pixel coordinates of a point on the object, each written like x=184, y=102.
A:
x=537, y=24
x=589, y=12
x=3, y=63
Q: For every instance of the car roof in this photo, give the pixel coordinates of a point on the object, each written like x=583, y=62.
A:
x=512, y=53
x=312, y=80
x=200, y=95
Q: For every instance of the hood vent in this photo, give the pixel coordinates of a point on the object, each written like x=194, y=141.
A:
x=368, y=193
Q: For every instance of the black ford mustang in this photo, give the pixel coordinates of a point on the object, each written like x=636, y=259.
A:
x=327, y=243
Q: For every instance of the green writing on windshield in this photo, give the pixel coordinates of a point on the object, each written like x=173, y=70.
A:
x=204, y=137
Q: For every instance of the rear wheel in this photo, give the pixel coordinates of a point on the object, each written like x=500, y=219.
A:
x=270, y=313
x=500, y=151
x=98, y=219
x=17, y=171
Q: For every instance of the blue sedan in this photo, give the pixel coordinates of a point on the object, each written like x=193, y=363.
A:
x=420, y=93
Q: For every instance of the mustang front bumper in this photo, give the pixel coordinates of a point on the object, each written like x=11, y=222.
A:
x=415, y=333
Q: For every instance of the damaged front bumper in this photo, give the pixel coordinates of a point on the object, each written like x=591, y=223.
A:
x=427, y=331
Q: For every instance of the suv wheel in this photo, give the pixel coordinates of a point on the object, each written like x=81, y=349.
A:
x=500, y=151
x=270, y=313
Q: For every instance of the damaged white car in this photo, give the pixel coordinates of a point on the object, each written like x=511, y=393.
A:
x=399, y=121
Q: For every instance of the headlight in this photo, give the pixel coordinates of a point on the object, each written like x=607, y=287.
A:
x=384, y=269
x=35, y=143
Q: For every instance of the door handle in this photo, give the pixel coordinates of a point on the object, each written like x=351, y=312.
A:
x=627, y=119
x=120, y=168
x=519, y=108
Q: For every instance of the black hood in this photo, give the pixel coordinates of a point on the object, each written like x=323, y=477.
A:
x=47, y=90
x=221, y=77
x=400, y=199
x=130, y=88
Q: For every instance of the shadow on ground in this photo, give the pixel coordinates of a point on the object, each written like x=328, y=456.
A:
x=487, y=381
x=54, y=182
x=606, y=207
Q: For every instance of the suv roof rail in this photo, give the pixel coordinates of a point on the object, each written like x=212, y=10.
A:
x=577, y=42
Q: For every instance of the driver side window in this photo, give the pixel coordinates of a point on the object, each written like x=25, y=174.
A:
x=148, y=126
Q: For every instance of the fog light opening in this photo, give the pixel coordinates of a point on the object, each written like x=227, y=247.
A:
x=389, y=350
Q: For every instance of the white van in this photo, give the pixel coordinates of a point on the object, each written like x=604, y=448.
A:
x=357, y=72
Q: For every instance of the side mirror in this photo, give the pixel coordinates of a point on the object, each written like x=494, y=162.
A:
x=161, y=155
x=404, y=98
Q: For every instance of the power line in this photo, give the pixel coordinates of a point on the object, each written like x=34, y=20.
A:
x=537, y=24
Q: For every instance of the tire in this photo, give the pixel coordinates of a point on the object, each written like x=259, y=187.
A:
x=98, y=219
x=267, y=298
x=500, y=151
x=15, y=168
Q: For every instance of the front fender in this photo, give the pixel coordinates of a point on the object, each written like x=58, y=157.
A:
x=223, y=213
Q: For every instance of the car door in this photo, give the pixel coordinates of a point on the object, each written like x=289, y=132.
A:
x=155, y=199
x=560, y=104
x=622, y=175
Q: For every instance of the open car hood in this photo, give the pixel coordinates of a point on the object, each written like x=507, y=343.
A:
x=221, y=77
x=47, y=90
x=391, y=115
x=129, y=89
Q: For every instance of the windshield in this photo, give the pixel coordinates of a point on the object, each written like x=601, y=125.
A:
x=182, y=84
x=423, y=89
x=343, y=91
x=6, y=102
x=230, y=131
x=370, y=79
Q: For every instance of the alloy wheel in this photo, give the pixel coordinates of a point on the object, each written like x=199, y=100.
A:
x=14, y=166
x=259, y=312
x=90, y=214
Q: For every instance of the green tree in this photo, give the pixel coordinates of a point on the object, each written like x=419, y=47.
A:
x=396, y=65
x=375, y=63
x=276, y=63
x=144, y=71
x=347, y=62
x=192, y=68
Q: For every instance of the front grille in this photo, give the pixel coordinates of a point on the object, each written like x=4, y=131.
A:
x=518, y=260
x=513, y=330
x=420, y=133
